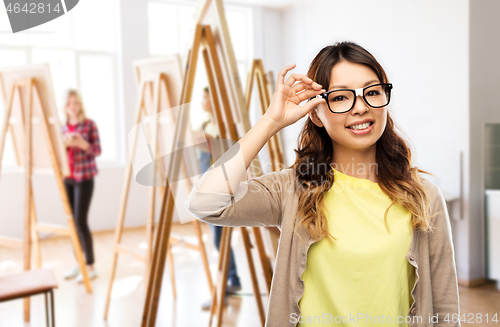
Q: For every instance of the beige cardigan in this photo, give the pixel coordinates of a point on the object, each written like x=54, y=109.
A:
x=271, y=200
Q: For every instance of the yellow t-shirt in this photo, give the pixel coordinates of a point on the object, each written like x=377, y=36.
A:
x=365, y=272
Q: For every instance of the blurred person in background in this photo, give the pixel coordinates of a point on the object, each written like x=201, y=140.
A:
x=81, y=139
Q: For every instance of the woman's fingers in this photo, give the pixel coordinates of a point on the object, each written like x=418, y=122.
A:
x=298, y=77
x=301, y=86
x=283, y=72
x=310, y=105
x=308, y=94
x=294, y=90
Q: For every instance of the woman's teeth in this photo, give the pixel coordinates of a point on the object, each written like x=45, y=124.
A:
x=360, y=126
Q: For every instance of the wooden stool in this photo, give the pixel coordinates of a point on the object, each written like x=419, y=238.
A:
x=28, y=283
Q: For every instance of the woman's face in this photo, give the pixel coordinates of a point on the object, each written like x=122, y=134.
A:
x=351, y=76
x=206, y=102
x=73, y=106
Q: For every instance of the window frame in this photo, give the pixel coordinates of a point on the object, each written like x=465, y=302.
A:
x=118, y=109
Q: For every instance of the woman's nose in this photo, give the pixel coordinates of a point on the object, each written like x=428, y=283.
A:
x=360, y=106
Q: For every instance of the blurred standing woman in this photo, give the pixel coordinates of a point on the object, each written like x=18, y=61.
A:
x=81, y=139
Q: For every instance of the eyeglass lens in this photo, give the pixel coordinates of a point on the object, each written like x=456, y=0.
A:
x=376, y=96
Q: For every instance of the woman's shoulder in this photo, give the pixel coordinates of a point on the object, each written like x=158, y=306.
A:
x=434, y=192
x=89, y=122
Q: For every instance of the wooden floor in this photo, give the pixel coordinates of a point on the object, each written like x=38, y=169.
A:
x=75, y=308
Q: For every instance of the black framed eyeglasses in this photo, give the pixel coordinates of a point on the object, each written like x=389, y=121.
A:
x=343, y=100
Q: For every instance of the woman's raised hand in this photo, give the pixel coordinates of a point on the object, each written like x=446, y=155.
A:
x=284, y=109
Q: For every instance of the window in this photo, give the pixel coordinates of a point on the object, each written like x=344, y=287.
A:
x=81, y=56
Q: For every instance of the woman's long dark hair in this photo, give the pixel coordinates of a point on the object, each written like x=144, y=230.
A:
x=397, y=178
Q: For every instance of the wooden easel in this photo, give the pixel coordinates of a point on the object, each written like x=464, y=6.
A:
x=31, y=227
x=156, y=86
x=257, y=74
x=220, y=99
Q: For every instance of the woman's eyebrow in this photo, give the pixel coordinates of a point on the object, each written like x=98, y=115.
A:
x=345, y=87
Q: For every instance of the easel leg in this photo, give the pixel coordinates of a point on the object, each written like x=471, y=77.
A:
x=163, y=232
x=118, y=236
x=158, y=263
x=36, y=240
x=263, y=257
x=253, y=275
x=222, y=280
x=218, y=281
x=249, y=85
x=149, y=229
x=150, y=250
x=170, y=255
x=213, y=308
x=172, y=270
x=27, y=248
x=123, y=202
x=79, y=252
x=219, y=276
x=215, y=70
x=28, y=166
x=203, y=251
x=153, y=140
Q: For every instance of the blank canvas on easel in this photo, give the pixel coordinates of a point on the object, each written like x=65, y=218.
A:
x=157, y=126
x=31, y=117
x=41, y=159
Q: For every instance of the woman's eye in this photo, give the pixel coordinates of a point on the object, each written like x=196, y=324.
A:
x=372, y=93
x=338, y=98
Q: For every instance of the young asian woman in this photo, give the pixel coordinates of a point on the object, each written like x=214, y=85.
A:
x=364, y=237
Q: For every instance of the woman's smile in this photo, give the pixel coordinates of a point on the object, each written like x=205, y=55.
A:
x=361, y=127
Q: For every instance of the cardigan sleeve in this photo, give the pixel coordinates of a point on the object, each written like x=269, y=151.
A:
x=256, y=202
x=444, y=282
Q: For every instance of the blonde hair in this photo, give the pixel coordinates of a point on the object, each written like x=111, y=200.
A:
x=72, y=92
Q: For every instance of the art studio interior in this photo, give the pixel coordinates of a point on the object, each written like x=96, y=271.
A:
x=182, y=163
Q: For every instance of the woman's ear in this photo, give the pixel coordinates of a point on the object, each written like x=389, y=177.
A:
x=313, y=114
